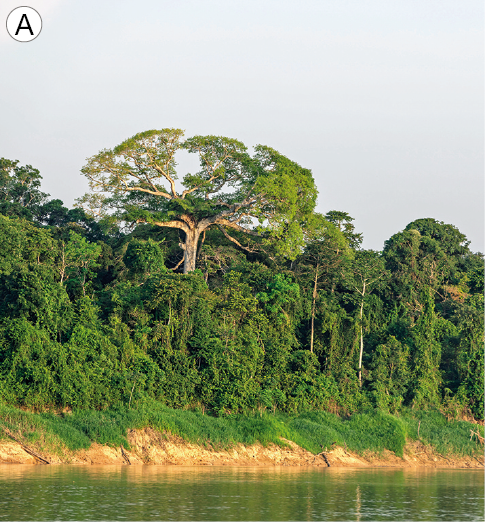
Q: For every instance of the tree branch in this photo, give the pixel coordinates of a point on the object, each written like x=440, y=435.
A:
x=235, y=226
x=179, y=263
x=167, y=224
x=235, y=241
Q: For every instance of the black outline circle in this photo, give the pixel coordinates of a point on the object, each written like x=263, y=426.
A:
x=13, y=37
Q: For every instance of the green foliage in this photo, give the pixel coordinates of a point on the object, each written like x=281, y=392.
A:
x=80, y=259
x=280, y=294
x=469, y=360
x=232, y=191
x=426, y=377
x=446, y=237
x=19, y=189
x=144, y=258
x=294, y=319
x=344, y=224
x=390, y=374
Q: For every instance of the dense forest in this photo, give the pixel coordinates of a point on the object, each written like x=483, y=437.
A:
x=231, y=296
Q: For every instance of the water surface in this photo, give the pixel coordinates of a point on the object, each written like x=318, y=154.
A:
x=230, y=493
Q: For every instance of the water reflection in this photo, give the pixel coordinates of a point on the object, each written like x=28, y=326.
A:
x=237, y=493
x=358, y=504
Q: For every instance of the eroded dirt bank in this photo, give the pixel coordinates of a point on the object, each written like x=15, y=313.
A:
x=148, y=446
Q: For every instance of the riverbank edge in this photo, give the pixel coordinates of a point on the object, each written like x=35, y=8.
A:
x=151, y=447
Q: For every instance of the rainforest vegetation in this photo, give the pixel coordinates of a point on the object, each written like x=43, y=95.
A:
x=226, y=293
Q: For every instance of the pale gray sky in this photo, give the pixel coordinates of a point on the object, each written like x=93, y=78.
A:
x=382, y=99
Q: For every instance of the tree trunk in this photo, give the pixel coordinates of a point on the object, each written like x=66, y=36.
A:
x=361, y=352
x=361, y=335
x=314, y=295
x=190, y=247
x=62, y=270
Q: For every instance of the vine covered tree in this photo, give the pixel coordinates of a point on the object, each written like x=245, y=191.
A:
x=264, y=196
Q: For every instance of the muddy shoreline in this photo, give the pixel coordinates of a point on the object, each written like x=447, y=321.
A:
x=150, y=447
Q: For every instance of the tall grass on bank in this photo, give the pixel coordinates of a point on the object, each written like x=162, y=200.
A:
x=361, y=432
x=447, y=438
x=314, y=431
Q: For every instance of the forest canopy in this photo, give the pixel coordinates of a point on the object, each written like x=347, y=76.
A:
x=275, y=307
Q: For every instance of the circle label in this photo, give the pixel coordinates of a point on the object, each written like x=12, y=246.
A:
x=24, y=24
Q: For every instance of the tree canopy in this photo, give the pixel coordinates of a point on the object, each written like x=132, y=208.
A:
x=265, y=197
x=20, y=193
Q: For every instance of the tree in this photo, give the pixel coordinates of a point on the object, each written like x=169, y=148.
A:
x=343, y=222
x=390, y=373
x=428, y=254
x=265, y=196
x=323, y=258
x=426, y=376
x=448, y=237
x=19, y=189
x=78, y=259
x=366, y=274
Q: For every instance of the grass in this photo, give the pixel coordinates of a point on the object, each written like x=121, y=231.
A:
x=361, y=432
x=446, y=438
x=44, y=431
x=373, y=431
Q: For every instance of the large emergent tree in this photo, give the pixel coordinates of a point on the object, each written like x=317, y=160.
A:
x=264, y=196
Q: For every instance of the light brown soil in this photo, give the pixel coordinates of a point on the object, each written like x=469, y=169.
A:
x=149, y=446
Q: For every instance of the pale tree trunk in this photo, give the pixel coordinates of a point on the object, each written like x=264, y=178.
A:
x=62, y=270
x=190, y=248
x=361, y=335
x=314, y=295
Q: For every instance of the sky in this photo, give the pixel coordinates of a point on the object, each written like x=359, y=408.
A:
x=381, y=99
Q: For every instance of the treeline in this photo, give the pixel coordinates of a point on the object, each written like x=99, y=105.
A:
x=93, y=315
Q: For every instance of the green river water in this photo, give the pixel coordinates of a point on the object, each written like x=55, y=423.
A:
x=230, y=493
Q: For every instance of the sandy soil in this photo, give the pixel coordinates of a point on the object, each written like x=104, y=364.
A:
x=152, y=447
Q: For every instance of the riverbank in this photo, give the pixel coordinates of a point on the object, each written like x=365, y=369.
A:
x=150, y=447
x=154, y=434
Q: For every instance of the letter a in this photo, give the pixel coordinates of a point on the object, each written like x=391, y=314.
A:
x=28, y=25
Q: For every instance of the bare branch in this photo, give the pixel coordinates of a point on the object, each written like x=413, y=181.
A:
x=168, y=178
x=179, y=263
x=236, y=242
x=167, y=224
